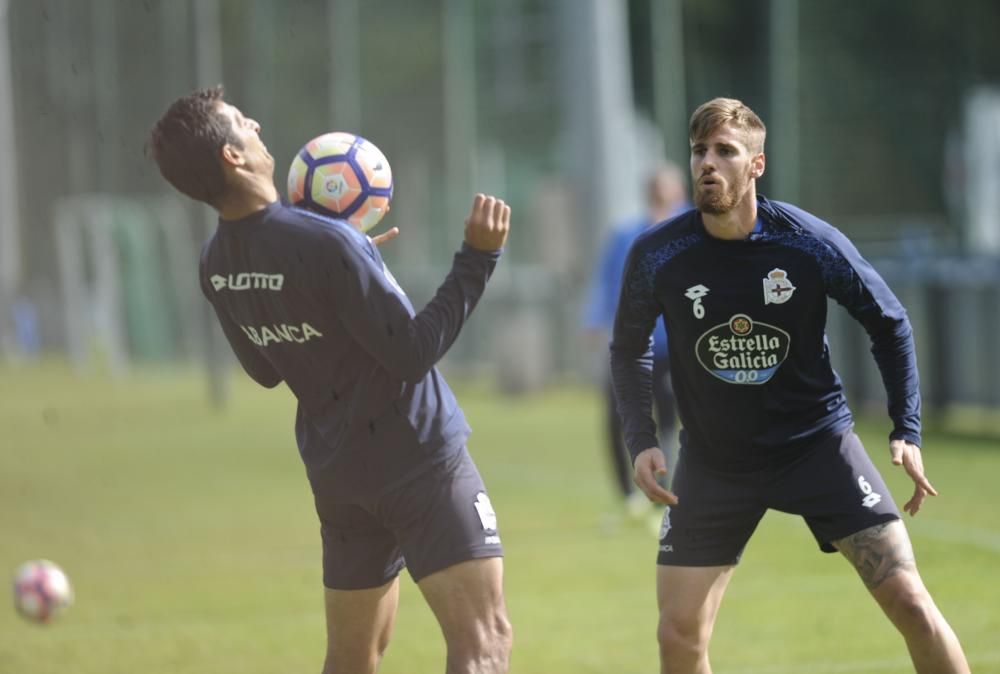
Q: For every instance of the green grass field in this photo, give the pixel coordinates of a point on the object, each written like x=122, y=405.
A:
x=191, y=540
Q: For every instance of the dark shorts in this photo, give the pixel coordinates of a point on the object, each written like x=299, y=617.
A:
x=833, y=485
x=439, y=518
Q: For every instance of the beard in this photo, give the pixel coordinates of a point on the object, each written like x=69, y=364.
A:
x=717, y=202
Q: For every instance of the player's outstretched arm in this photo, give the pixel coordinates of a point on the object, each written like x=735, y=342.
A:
x=907, y=455
x=488, y=223
x=372, y=309
x=650, y=465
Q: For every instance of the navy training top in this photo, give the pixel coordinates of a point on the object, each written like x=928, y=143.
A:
x=308, y=300
x=750, y=362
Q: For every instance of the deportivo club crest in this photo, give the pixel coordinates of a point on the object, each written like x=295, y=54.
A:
x=777, y=288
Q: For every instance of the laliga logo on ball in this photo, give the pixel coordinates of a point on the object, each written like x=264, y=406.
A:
x=41, y=590
x=343, y=176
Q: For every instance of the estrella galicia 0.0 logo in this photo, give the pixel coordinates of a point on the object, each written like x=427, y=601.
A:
x=742, y=351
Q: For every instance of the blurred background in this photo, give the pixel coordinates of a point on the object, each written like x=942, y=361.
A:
x=134, y=451
x=883, y=117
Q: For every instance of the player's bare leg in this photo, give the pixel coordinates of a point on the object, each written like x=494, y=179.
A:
x=467, y=600
x=688, y=598
x=358, y=626
x=883, y=557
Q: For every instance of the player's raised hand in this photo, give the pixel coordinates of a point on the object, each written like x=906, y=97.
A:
x=488, y=223
x=388, y=235
x=908, y=455
x=650, y=465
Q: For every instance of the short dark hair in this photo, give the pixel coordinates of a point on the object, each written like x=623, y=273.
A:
x=185, y=144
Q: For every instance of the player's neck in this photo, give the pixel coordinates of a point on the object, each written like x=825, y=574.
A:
x=736, y=224
x=254, y=196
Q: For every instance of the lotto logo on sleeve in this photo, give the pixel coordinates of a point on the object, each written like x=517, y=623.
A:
x=742, y=351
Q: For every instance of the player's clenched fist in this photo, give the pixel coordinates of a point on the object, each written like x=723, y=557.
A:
x=488, y=223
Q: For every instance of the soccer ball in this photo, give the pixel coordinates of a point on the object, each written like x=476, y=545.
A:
x=342, y=176
x=41, y=590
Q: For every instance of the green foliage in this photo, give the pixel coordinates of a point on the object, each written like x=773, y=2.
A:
x=193, y=547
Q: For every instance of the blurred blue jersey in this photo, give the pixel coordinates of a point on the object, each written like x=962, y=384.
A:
x=605, y=282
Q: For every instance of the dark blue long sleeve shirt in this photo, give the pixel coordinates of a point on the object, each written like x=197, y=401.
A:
x=308, y=300
x=750, y=362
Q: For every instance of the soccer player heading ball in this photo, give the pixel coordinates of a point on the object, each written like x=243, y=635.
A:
x=307, y=300
x=742, y=282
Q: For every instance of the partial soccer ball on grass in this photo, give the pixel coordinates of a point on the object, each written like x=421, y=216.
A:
x=41, y=590
x=344, y=176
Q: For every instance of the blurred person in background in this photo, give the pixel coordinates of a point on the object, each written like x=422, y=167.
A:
x=307, y=300
x=742, y=283
x=664, y=199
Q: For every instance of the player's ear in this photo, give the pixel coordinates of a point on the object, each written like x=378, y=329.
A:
x=232, y=155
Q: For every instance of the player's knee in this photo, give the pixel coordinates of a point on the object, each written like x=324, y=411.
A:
x=914, y=613
x=355, y=660
x=336, y=665
x=486, y=648
x=681, y=639
x=498, y=638
x=503, y=638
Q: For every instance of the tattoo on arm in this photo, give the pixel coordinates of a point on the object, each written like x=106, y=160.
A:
x=878, y=552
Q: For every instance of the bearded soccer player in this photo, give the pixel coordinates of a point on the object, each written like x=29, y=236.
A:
x=742, y=284
x=308, y=301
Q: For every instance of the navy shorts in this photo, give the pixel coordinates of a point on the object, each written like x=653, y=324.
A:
x=439, y=518
x=833, y=485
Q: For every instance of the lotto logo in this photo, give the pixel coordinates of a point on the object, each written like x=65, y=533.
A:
x=248, y=281
x=485, y=510
x=695, y=293
x=871, y=497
